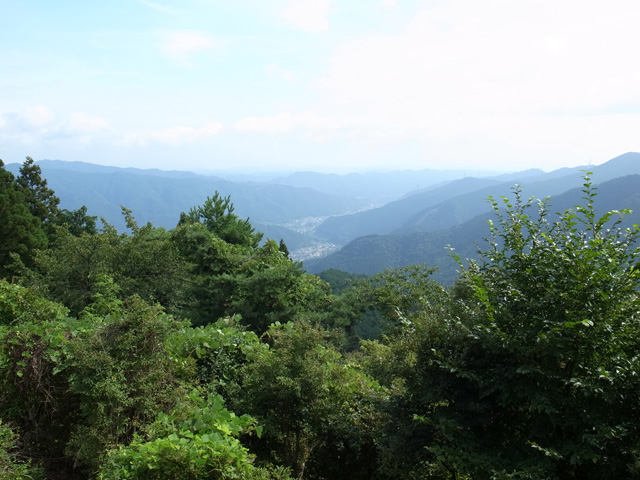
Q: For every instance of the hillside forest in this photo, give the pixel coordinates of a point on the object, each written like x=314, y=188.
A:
x=203, y=351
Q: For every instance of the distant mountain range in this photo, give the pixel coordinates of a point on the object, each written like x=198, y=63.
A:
x=287, y=207
x=463, y=199
x=393, y=215
x=159, y=197
x=461, y=220
x=376, y=188
x=328, y=221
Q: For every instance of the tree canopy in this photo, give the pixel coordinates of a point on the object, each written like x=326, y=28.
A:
x=201, y=352
x=216, y=214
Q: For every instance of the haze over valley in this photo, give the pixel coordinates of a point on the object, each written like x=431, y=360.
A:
x=361, y=223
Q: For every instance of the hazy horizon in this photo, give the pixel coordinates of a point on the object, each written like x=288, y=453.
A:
x=270, y=174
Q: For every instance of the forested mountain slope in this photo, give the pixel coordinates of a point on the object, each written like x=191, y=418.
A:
x=382, y=220
x=375, y=253
x=464, y=207
x=87, y=167
x=159, y=197
x=377, y=188
x=462, y=200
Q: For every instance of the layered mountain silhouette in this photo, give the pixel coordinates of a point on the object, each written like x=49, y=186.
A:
x=461, y=222
x=463, y=199
x=419, y=212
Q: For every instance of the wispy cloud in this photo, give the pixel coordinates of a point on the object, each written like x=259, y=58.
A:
x=308, y=15
x=274, y=71
x=181, y=45
x=159, y=7
x=174, y=136
x=39, y=125
x=283, y=122
x=37, y=116
x=313, y=125
x=81, y=122
x=29, y=119
x=493, y=72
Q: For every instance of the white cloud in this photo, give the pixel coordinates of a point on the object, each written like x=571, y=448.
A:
x=494, y=69
x=318, y=127
x=181, y=45
x=283, y=122
x=157, y=6
x=81, y=122
x=37, y=116
x=308, y=15
x=38, y=127
x=174, y=136
x=389, y=3
x=274, y=71
x=27, y=122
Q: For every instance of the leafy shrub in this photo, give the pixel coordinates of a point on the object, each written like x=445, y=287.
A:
x=538, y=377
x=123, y=375
x=19, y=304
x=219, y=350
x=314, y=403
x=196, y=440
x=12, y=466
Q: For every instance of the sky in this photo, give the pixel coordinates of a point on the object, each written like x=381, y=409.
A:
x=324, y=85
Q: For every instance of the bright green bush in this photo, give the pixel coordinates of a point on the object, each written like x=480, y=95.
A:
x=196, y=440
x=123, y=375
x=19, y=305
x=218, y=351
x=536, y=374
x=314, y=403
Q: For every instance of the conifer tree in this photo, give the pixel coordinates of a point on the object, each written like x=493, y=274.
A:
x=20, y=231
x=41, y=200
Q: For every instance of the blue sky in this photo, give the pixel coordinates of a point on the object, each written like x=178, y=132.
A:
x=327, y=85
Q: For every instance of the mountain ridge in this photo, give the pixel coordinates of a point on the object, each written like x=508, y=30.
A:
x=374, y=253
x=304, y=216
x=423, y=212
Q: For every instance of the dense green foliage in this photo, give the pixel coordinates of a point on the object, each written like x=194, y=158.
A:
x=552, y=353
x=531, y=372
x=217, y=215
x=11, y=465
x=200, y=353
x=315, y=404
x=41, y=200
x=20, y=230
x=196, y=440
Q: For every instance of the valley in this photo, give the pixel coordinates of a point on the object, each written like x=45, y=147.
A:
x=360, y=223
